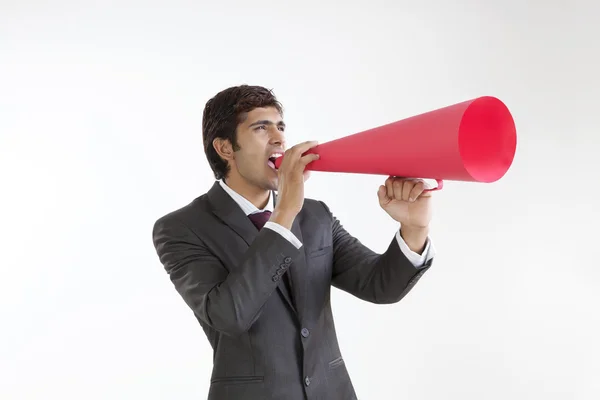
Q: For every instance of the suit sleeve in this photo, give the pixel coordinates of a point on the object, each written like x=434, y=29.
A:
x=416, y=259
x=378, y=278
x=228, y=301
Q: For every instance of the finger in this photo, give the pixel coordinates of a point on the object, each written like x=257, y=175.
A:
x=416, y=191
x=308, y=158
x=406, y=189
x=389, y=186
x=382, y=195
x=398, y=186
x=301, y=148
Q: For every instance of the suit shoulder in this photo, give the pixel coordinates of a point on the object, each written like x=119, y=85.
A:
x=184, y=213
x=317, y=208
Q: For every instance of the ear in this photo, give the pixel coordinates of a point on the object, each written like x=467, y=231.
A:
x=223, y=148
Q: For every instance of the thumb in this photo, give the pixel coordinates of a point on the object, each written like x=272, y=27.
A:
x=382, y=195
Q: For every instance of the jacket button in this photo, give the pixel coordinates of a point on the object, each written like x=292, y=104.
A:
x=288, y=260
x=307, y=381
x=305, y=332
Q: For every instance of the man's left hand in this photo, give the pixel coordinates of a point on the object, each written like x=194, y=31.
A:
x=407, y=202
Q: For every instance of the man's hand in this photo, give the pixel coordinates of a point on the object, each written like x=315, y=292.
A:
x=406, y=202
x=290, y=191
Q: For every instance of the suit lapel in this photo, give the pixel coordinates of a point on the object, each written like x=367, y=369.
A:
x=298, y=273
x=228, y=211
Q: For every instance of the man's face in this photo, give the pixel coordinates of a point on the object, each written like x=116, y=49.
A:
x=260, y=137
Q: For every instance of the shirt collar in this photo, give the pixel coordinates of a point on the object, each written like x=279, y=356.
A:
x=246, y=206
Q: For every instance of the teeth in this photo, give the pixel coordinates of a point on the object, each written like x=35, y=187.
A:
x=275, y=155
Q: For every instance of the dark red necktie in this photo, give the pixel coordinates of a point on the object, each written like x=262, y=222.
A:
x=260, y=219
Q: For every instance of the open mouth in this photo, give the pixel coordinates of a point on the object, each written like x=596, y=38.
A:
x=272, y=158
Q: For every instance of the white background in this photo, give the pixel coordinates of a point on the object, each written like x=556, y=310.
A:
x=100, y=128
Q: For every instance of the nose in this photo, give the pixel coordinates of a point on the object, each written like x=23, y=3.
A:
x=277, y=137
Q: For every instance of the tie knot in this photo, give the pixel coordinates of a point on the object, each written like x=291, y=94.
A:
x=259, y=219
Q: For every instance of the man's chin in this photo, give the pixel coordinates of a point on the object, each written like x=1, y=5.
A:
x=271, y=183
x=272, y=186
x=272, y=179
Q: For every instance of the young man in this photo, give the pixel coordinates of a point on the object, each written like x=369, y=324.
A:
x=255, y=260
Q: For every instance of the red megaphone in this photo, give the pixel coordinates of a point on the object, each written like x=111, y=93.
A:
x=470, y=141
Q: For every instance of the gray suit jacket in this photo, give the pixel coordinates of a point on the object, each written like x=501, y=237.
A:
x=270, y=342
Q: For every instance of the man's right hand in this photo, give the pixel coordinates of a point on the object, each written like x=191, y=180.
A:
x=290, y=190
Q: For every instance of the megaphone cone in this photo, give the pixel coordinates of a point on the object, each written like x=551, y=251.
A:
x=470, y=141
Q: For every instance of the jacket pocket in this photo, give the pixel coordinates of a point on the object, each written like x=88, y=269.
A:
x=336, y=363
x=318, y=252
x=237, y=380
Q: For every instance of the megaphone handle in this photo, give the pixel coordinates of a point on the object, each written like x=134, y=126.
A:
x=440, y=185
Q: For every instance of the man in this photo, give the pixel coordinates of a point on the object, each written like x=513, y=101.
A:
x=257, y=268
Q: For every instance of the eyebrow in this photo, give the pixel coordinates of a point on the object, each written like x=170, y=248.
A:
x=267, y=122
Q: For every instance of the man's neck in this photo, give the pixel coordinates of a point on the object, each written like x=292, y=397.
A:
x=255, y=195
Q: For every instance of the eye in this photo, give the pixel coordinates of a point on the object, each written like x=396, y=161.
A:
x=261, y=127
x=282, y=128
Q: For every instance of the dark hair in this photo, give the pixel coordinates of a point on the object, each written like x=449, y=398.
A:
x=224, y=112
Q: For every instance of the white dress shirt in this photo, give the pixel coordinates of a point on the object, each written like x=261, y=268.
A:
x=248, y=208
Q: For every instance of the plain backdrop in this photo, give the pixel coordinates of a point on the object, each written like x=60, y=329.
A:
x=100, y=128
